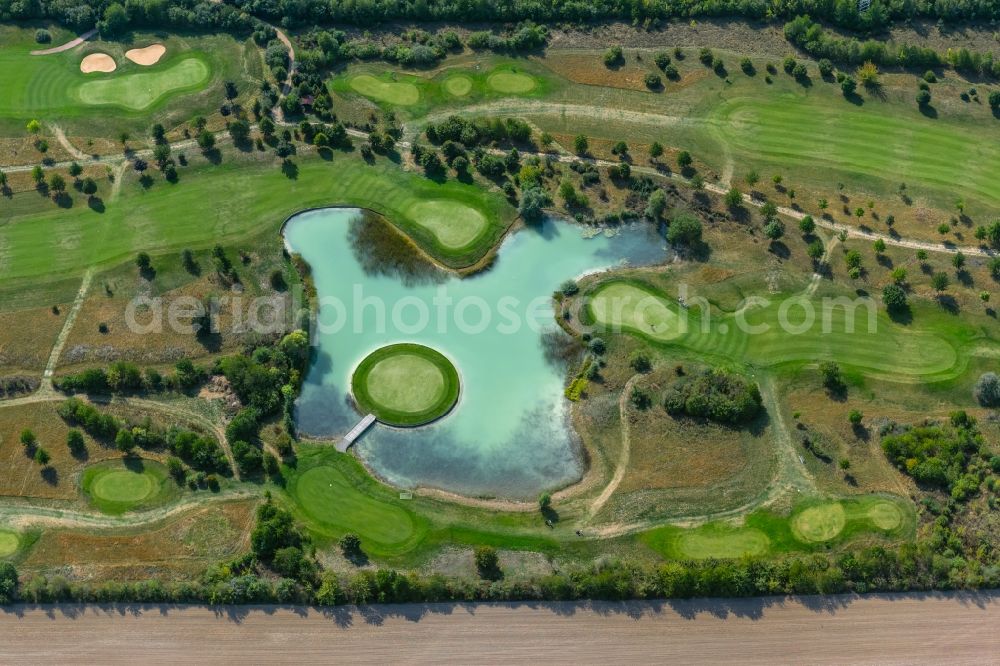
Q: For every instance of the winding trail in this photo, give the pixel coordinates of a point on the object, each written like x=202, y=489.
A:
x=71, y=44
x=75, y=152
x=50, y=366
x=623, y=456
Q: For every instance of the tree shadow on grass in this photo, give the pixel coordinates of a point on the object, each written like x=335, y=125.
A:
x=928, y=111
x=50, y=475
x=901, y=315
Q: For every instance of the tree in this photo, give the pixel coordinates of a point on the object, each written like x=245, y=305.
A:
x=894, y=297
x=533, y=202
x=655, y=150
x=769, y=211
x=38, y=174
x=855, y=417
x=57, y=183
x=115, y=20
x=734, y=198
x=879, y=246
x=939, y=281
x=89, y=186
x=830, y=373
x=206, y=140
x=868, y=73
x=8, y=583
x=613, y=56
x=28, y=437
x=958, y=260
x=815, y=250
x=125, y=441
x=161, y=153
x=661, y=59
x=75, y=170
x=620, y=149
x=899, y=275
x=652, y=81
x=685, y=229
x=923, y=98
x=994, y=100
x=143, y=261
x=987, y=390
x=853, y=259
x=848, y=86
x=74, y=440
x=33, y=126
x=488, y=563
x=656, y=205
x=159, y=134
x=639, y=361
x=580, y=144
x=774, y=229
x=807, y=225
x=350, y=545
x=42, y=456
x=239, y=130
x=684, y=159
x=544, y=502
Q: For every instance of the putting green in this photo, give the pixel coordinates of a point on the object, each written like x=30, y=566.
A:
x=820, y=523
x=454, y=224
x=626, y=305
x=141, y=90
x=405, y=384
x=399, y=93
x=710, y=542
x=326, y=496
x=458, y=85
x=885, y=515
x=509, y=81
x=9, y=541
x=118, y=486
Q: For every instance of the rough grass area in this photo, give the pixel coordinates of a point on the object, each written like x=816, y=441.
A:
x=117, y=486
x=181, y=547
x=405, y=384
x=141, y=90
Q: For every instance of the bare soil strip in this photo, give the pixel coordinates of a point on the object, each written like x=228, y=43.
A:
x=883, y=629
x=71, y=44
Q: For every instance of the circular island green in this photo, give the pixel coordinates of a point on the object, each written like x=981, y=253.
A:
x=405, y=384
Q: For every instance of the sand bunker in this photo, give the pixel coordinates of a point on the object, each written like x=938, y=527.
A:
x=147, y=56
x=98, y=62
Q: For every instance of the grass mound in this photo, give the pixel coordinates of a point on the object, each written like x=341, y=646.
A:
x=397, y=93
x=405, y=384
x=885, y=515
x=9, y=542
x=511, y=82
x=455, y=225
x=327, y=497
x=458, y=85
x=141, y=90
x=820, y=523
x=122, y=485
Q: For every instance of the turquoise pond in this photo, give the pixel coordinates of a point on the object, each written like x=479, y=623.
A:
x=509, y=434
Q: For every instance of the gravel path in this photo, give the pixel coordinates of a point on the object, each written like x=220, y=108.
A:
x=71, y=44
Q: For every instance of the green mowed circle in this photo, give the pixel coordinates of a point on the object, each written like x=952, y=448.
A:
x=141, y=90
x=9, y=542
x=703, y=544
x=458, y=85
x=508, y=81
x=117, y=486
x=399, y=93
x=625, y=305
x=820, y=523
x=885, y=515
x=405, y=384
x=327, y=497
x=454, y=224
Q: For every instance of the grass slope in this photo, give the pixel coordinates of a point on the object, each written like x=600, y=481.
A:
x=405, y=384
x=779, y=331
x=227, y=203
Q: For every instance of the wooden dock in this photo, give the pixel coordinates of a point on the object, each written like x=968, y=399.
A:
x=356, y=432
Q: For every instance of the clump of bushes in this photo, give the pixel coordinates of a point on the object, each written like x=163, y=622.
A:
x=717, y=395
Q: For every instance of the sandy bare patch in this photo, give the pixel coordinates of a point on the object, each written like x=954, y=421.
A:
x=98, y=62
x=146, y=56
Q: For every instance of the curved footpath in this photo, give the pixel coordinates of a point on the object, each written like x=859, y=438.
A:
x=949, y=628
x=71, y=44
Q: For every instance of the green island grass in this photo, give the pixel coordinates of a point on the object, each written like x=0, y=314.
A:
x=386, y=88
x=9, y=543
x=812, y=525
x=929, y=348
x=226, y=203
x=140, y=90
x=405, y=384
x=117, y=486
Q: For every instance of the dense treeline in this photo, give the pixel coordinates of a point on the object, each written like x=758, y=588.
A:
x=840, y=12
x=114, y=17
x=874, y=569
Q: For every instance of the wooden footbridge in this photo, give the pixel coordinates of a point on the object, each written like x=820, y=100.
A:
x=356, y=432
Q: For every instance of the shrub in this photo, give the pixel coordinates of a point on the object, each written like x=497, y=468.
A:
x=488, y=563
x=613, y=56
x=653, y=81
x=923, y=98
x=662, y=59
x=43, y=36
x=718, y=395
x=987, y=390
x=684, y=229
x=640, y=361
x=894, y=297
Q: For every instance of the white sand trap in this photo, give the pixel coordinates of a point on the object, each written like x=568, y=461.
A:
x=98, y=62
x=147, y=56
